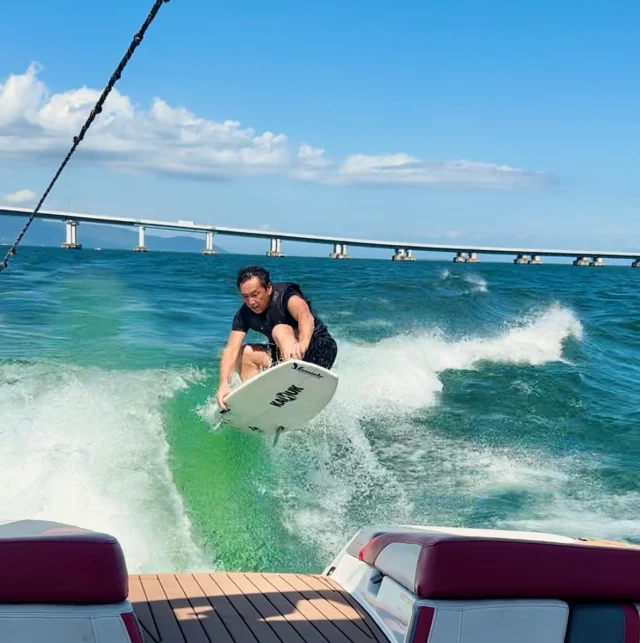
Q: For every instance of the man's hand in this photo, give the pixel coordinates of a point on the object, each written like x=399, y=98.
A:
x=304, y=347
x=292, y=352
x=223, y=391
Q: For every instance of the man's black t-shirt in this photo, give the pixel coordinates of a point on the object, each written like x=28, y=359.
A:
x=276, y=313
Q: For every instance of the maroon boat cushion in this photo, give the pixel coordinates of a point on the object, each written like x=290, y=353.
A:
x=459, y=566
x=49, y=562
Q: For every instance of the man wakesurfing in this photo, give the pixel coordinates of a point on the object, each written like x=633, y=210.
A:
x=280, y=312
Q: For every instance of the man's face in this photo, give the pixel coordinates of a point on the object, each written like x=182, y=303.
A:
x=256, y=296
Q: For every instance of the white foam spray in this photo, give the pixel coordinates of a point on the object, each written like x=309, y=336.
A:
x=365, y=461
x=86, y=447
x=476, y=282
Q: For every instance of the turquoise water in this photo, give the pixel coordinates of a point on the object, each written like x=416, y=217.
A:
x=487, y=395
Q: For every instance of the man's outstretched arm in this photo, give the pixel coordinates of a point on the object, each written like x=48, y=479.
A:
x=301, y=312
x=228, y=362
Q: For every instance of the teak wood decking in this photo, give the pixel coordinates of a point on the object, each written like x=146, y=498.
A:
x=248, y=608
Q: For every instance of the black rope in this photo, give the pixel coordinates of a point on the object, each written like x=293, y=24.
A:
x=137, y=39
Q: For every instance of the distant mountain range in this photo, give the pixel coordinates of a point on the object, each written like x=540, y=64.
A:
x=91, y=235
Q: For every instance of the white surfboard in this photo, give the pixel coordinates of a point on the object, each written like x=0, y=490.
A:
x=281, y=398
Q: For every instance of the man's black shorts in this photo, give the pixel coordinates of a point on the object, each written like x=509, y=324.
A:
x=322, y=351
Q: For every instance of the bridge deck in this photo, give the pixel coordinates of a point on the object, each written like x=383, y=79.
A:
x=248, y=608
x=191, y=226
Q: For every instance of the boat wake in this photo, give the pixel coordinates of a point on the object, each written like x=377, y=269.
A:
x=377, y=455
x=86, y=446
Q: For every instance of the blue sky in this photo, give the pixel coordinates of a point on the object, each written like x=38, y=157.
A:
x=484, y=122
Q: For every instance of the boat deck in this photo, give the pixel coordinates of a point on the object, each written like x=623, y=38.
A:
x=248, y=608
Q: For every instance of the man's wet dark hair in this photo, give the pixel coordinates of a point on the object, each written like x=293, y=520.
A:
x=244, y=274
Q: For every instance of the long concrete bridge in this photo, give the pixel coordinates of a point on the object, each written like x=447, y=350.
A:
x=402, y=250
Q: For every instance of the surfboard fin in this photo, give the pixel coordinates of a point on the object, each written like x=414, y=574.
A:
x=218, y=424
x=279, y=430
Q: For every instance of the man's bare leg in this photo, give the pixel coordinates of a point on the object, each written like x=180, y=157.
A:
x=253, y=359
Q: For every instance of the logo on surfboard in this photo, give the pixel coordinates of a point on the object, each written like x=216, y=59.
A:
x=284, y=397
x=302, y=369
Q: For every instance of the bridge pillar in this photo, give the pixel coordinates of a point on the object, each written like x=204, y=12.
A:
x=597, y=261
x=522, y=259
x=536, y=260
x=473, y=257
x=461, y=257
x=403, y=255
x=208, y=245
x=140, y=247
x=339, y=251
x=275, y=249
x=71, y=242
x=581, y=261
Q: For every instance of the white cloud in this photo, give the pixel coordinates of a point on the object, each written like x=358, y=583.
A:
x=172, y=140
x=403, y=169
x=20, y=197
x=312, y=157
